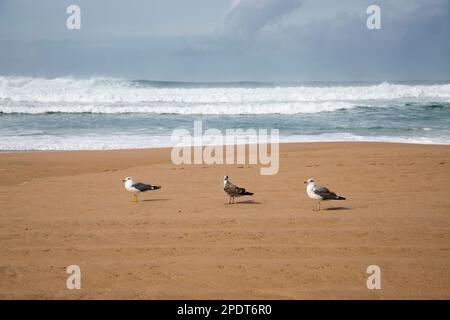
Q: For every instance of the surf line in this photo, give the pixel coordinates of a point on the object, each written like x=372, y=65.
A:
x=214, y=147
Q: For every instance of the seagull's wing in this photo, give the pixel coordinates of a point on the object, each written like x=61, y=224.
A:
x=234, y=190
x=145, y=187
x=324, y=193
x=231, y=189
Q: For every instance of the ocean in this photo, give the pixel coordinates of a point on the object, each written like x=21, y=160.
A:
x=108, y=113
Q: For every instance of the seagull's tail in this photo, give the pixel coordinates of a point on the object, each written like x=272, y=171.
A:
x=246, y=193
x=156, y=187
x=340, y=198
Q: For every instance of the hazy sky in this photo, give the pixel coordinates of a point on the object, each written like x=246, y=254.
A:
x=227, y=40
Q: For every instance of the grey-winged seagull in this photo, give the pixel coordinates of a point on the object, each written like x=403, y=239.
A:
x=233, y=190
x=320, y=193
x=137, y=187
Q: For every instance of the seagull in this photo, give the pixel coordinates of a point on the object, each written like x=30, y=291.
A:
x=137, y=187
x=234, y=191
x=320, y=193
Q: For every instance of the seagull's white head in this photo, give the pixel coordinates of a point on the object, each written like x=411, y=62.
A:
x=310, y=181
x=127, y=179
x=225, y=179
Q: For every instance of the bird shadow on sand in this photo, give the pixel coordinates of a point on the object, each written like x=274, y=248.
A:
x=150, y=200
x=245, y=202
x=336, y=209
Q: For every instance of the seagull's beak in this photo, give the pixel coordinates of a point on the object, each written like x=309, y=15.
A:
x=123, y=180
x=305, y=182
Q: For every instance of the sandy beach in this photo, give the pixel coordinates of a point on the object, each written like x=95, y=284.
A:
x=185, y=242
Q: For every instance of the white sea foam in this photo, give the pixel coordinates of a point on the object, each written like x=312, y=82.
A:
x=109, y=95
x=114, y=96
x=110, y=142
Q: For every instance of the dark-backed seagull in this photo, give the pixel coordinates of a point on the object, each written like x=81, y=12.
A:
x=320, y=193
x=234, y=191
x=137, y=187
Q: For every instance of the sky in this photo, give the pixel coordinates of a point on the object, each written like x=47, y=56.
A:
x=227, y=40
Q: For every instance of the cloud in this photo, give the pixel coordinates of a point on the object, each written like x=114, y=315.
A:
x=266, y=40
x=245, y=18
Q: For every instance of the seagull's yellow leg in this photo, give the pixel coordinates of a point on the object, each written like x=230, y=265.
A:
x=135, y=197
x=318, y=206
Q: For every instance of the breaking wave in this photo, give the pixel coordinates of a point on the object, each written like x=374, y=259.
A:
x=25, y=95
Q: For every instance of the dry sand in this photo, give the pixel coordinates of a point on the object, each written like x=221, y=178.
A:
x=184, y=241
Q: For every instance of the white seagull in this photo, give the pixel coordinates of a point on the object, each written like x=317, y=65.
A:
x=320, y=193
x=137, y=187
